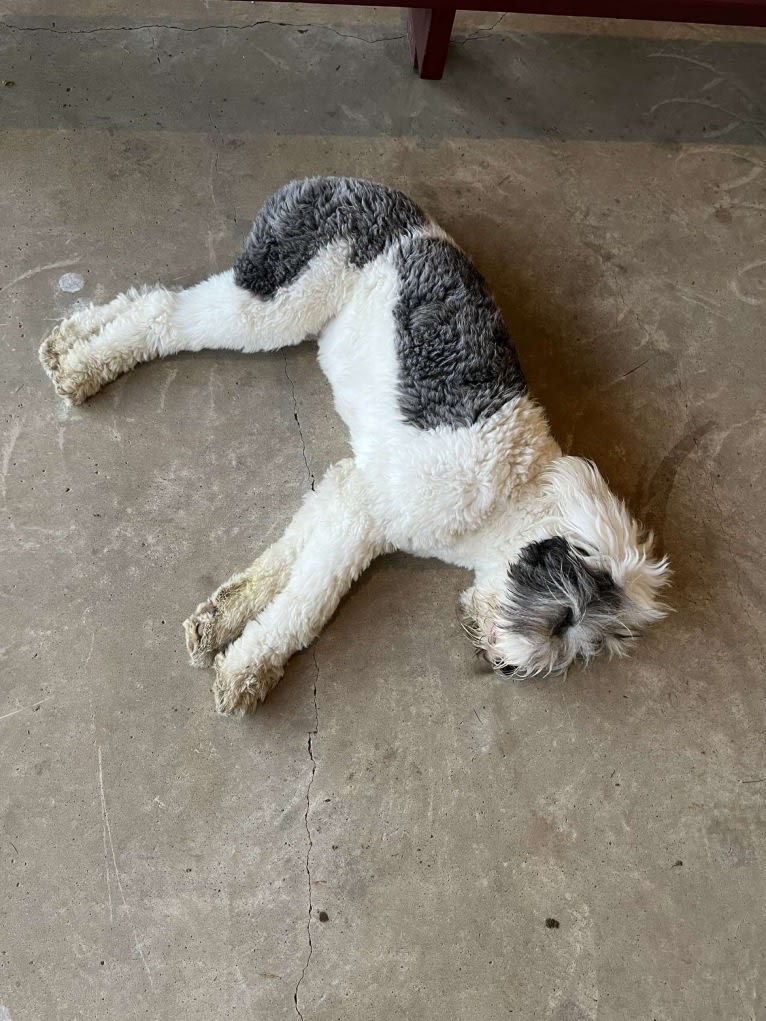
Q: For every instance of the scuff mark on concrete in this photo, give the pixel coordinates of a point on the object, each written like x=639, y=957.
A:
x=166, y=386
x=23, y=709
x=8, y=448
x=107, y=829
x=40, y=269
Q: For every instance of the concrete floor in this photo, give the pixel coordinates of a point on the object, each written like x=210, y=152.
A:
x=161, y=862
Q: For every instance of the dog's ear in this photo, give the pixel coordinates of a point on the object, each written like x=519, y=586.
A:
x=585, y=507
x=553, y=586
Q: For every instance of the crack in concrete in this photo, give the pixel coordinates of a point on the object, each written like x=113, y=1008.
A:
x=311, y=735
x=196, y=28
x=300, y=430
x=482, y=33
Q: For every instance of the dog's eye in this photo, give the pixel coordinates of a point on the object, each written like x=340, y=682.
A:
x=581, y=551
x=624, y=636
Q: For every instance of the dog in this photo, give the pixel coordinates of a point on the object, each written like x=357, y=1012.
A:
x=452, y=457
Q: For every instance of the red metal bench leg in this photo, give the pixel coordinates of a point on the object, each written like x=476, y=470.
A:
x=429, y=32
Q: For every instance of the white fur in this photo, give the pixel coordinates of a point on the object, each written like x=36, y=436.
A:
x=474, y=496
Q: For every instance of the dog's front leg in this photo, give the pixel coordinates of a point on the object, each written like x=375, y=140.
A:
x=339, y=538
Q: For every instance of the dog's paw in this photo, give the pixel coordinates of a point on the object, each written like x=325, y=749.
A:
x=220, y=619
x=56, y=345
x=76, y=377
x=238, y=692
x=67, y=354
x=206, y=634
x=65, y=357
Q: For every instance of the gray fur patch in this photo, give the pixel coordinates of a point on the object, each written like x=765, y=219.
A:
x=305, y=216
x=563, y=605
x=457, y=363
x=554, y=587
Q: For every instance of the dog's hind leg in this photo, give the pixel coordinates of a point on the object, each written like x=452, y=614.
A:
x=330, y=542
x=222, y=618
x=99, y=343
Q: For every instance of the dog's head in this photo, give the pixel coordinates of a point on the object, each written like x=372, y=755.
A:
x=582, y=580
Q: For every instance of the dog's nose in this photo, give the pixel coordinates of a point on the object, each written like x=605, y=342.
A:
x=507, y=671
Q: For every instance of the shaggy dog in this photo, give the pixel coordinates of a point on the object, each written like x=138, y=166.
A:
x=451, y=456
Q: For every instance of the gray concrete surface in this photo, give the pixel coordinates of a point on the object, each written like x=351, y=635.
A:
x=160, y=862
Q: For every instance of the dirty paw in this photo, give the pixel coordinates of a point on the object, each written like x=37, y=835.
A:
x=55, y=346
x=77, y=382
x=239, y=692
x=69, y=353
x=84, y=325
x=204, y=634
x=64, y=356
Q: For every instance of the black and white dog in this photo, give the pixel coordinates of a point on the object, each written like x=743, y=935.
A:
x=451, y=456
